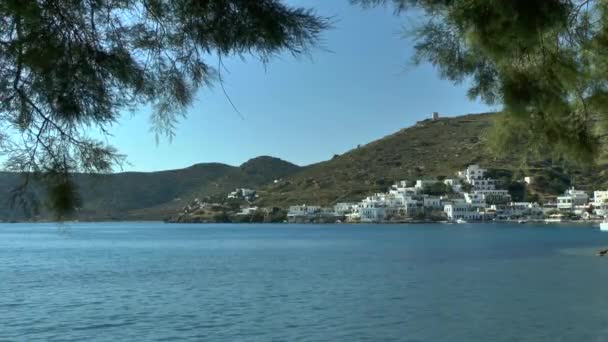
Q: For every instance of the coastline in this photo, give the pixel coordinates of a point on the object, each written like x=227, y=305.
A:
x=590, y=222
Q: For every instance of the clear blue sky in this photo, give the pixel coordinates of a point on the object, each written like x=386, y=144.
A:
x=306, y=109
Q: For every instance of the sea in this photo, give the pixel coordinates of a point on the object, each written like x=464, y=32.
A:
x=150, y=281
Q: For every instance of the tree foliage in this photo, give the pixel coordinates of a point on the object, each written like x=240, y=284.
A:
x=544, y=61
x=437, y=189
x=68, y=67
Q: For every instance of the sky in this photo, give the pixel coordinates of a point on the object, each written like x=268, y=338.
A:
x=358, y=86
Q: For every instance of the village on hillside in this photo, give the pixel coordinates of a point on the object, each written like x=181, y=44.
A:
x=475, y=194
x=470, y=196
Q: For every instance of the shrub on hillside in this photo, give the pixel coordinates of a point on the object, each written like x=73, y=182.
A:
x=437, y=189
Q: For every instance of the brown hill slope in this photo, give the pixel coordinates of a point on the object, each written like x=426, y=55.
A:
x=425, y=150
x=152, y=195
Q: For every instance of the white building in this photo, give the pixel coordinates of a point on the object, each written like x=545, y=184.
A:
x=494, y=195
x=475, y=200
x=342, y=209
x=380, y=207
x=303, y=210
x=600, y=197
x=517, y=210
x=242, y=193
x=480, y=198
x=472, y=172
x=372, y=209
x=247, y=211
x=410, y=207
x=483, y=184
x=401, y=188
x=459, y=210
x=310, y=213
x=571, y=199
x=432, y=202
x=372, y=214
x=600, y=203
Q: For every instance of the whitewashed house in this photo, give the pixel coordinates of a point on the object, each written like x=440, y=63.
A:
x=464, y=211
x=372, y=214
x=495, y=195
x=480, y=198
x=600, y=197
x=372, y=209
x=472, y=172
x=403, y=206
x=242, y=193
x=341, y=209
x=475, y=200
x=303, y=210
x=600, y=203
x=401, y=188
x=432, y=202
x=571, y=199
x=380, y=207
x=410, y=207
x=483, y=184
x=310, y=213
x=247, y=211
x=517, y=210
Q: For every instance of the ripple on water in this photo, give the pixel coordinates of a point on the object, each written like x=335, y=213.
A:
x=115, y=282
x=580, y=251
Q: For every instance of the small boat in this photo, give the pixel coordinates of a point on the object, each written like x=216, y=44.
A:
x=522, y=221
x=461, y=221
x=604, y=224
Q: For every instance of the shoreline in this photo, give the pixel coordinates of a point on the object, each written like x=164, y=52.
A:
x=593, y=222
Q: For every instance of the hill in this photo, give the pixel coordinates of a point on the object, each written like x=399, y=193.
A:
x=426, y=150
x=429, y=149
x=155, y=195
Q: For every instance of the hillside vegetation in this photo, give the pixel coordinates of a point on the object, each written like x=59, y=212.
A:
x=426, y=150
x=154, y=195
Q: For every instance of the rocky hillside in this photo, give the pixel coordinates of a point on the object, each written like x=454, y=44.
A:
x=425, y=150
x=156, y=195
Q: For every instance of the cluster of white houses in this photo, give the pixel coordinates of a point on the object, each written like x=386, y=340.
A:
x=243, y=193
x=480, y=202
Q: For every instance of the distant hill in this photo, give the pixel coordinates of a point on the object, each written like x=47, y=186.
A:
x=425, y=150
x=155, y=195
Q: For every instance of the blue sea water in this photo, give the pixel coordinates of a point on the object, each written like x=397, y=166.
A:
x=163, y=282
